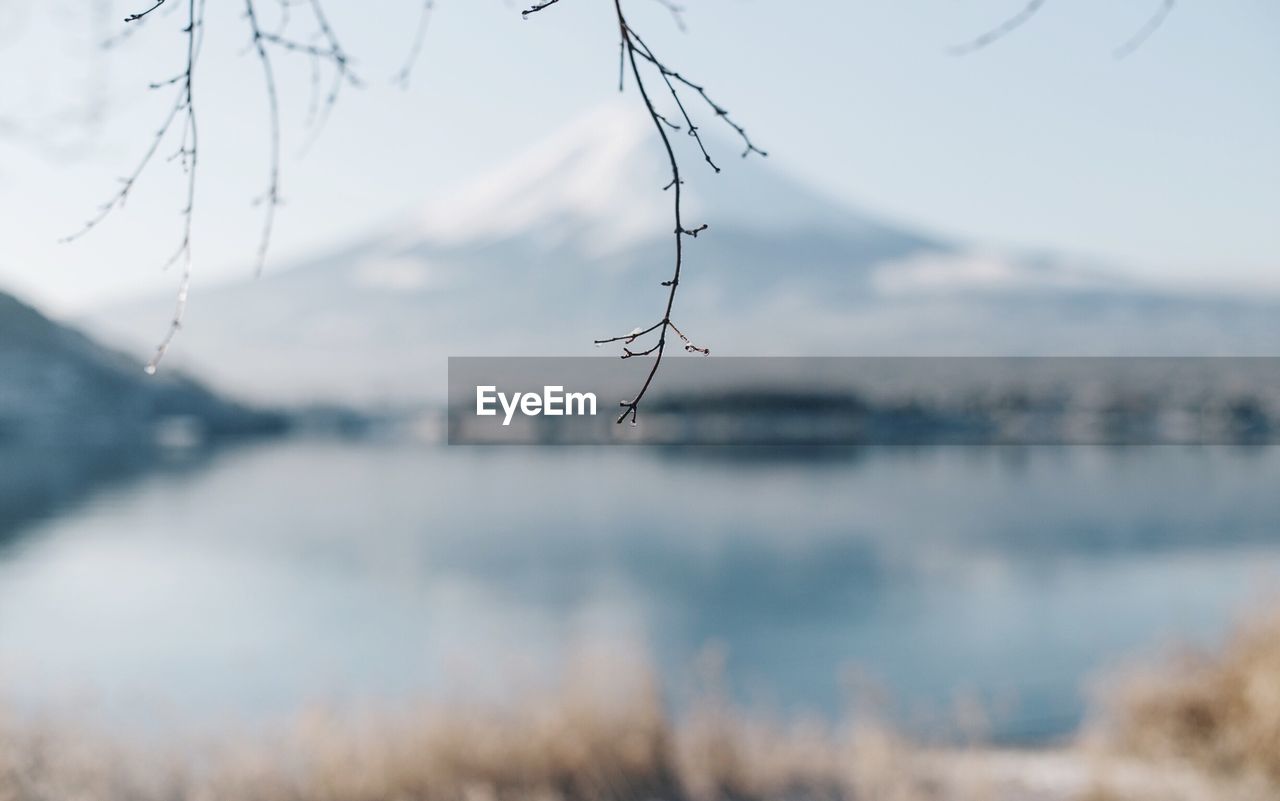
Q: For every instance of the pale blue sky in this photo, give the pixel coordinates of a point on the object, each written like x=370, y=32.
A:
x=1166, y=164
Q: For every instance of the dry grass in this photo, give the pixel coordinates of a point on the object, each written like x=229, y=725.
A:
x=1202, y=728
x=601, y=736
x=1219, y=713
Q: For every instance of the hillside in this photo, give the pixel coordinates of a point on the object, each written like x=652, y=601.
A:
x=59, y=386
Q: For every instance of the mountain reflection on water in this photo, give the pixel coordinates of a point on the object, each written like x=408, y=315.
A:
x=266, y=577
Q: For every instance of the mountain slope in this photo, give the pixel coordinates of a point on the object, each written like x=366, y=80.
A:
x=58, y=386
x=571, y=241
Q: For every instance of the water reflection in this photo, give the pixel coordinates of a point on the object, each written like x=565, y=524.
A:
x=284, y=573
x=37, y=480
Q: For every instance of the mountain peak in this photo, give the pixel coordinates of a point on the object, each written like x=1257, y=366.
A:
x=599, y=180
x=584, y=177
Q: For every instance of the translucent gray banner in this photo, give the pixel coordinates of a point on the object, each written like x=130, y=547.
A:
x=790, y=402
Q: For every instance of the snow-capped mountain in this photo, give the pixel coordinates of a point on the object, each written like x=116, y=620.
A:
x=572, y=240
x=596, y=182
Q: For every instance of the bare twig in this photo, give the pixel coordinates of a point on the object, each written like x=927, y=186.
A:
x=677, y=13
x=688, y=343
x=127, y=183
x=1000, y=31
x=1033, y=6
x=182, y=116
x=634, y=53
x=536, y=7
x=669, y=75
x=271, y=197
x=415, y=50
x=189, y=155
x=1152, y=25
x=141, y=14
x=293, y=46
x=133, y=24
x=338, y=57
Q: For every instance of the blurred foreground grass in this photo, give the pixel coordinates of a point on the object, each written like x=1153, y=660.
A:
x=1197, y=727
x=1217, y=713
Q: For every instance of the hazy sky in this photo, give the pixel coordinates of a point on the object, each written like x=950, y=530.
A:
x=1166, y=163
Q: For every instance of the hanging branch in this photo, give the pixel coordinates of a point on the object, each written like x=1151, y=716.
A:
x=330, y=52
x=182, y=116
x=419, y=37
x=271, y=197
x=333, y=53
x=181, y=106
x=188, y=154
x=634, y=52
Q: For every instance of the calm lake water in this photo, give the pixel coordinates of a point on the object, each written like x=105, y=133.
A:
x=270, y=577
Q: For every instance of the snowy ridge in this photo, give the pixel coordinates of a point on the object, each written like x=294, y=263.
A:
x=599, y=179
